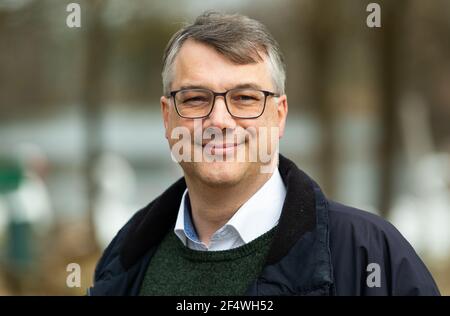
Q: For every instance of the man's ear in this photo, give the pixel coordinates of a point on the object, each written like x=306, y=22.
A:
x=165, y=103
x=282, y=111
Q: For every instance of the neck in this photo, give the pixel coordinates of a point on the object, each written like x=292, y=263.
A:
x=213, y=206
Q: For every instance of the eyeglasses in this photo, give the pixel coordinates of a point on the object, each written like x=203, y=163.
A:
x=240, y=103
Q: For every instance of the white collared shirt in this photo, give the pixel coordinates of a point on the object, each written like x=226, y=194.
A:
x=255, y=217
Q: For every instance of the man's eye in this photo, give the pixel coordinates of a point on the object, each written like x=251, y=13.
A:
x=195, y=100
x=244, y=98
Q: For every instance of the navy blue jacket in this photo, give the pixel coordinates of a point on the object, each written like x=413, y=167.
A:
x=320, y=248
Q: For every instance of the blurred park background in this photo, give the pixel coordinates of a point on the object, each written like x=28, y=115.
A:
x=82, y=145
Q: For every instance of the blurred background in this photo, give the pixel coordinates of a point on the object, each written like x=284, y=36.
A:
x=81, y=138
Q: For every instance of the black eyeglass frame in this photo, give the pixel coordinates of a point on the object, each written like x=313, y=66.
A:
x=224, y=95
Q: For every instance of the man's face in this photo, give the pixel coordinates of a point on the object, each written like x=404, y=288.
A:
x=199, y=65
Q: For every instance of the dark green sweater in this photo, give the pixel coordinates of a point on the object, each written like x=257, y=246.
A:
x=178, y=270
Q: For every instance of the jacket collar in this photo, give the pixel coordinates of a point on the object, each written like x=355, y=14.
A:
x=299, y=221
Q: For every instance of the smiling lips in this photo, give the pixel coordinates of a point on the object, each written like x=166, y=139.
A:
x=222, y=148
x=220, y=145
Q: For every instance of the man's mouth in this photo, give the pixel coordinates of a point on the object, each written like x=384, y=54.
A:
x=221, y=148
x=220, y=145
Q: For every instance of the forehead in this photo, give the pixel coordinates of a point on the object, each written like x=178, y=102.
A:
x=199, y=64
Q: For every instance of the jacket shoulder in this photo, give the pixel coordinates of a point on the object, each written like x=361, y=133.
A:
x=359, y=239
x=347, y=215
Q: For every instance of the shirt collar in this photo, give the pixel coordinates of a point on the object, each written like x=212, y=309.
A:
x=182, y=217
x=255, y=217
x=261, y=212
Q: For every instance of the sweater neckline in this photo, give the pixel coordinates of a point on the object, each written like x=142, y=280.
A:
x=226, y=255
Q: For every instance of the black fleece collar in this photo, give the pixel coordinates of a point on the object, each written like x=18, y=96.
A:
x=298, y=217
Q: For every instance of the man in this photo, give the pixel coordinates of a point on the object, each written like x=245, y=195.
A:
x=236, y=225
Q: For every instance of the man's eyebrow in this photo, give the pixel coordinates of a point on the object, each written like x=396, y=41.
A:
x=239, y=86
x=193, y=87
x=247, y=86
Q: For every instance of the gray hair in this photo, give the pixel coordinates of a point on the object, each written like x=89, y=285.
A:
x=237, y=37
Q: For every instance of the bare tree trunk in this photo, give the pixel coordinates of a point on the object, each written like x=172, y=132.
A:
x=321, y=44
x=389, y=34
x=96, y=53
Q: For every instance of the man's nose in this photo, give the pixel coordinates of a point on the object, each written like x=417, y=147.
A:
x=219, y=116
